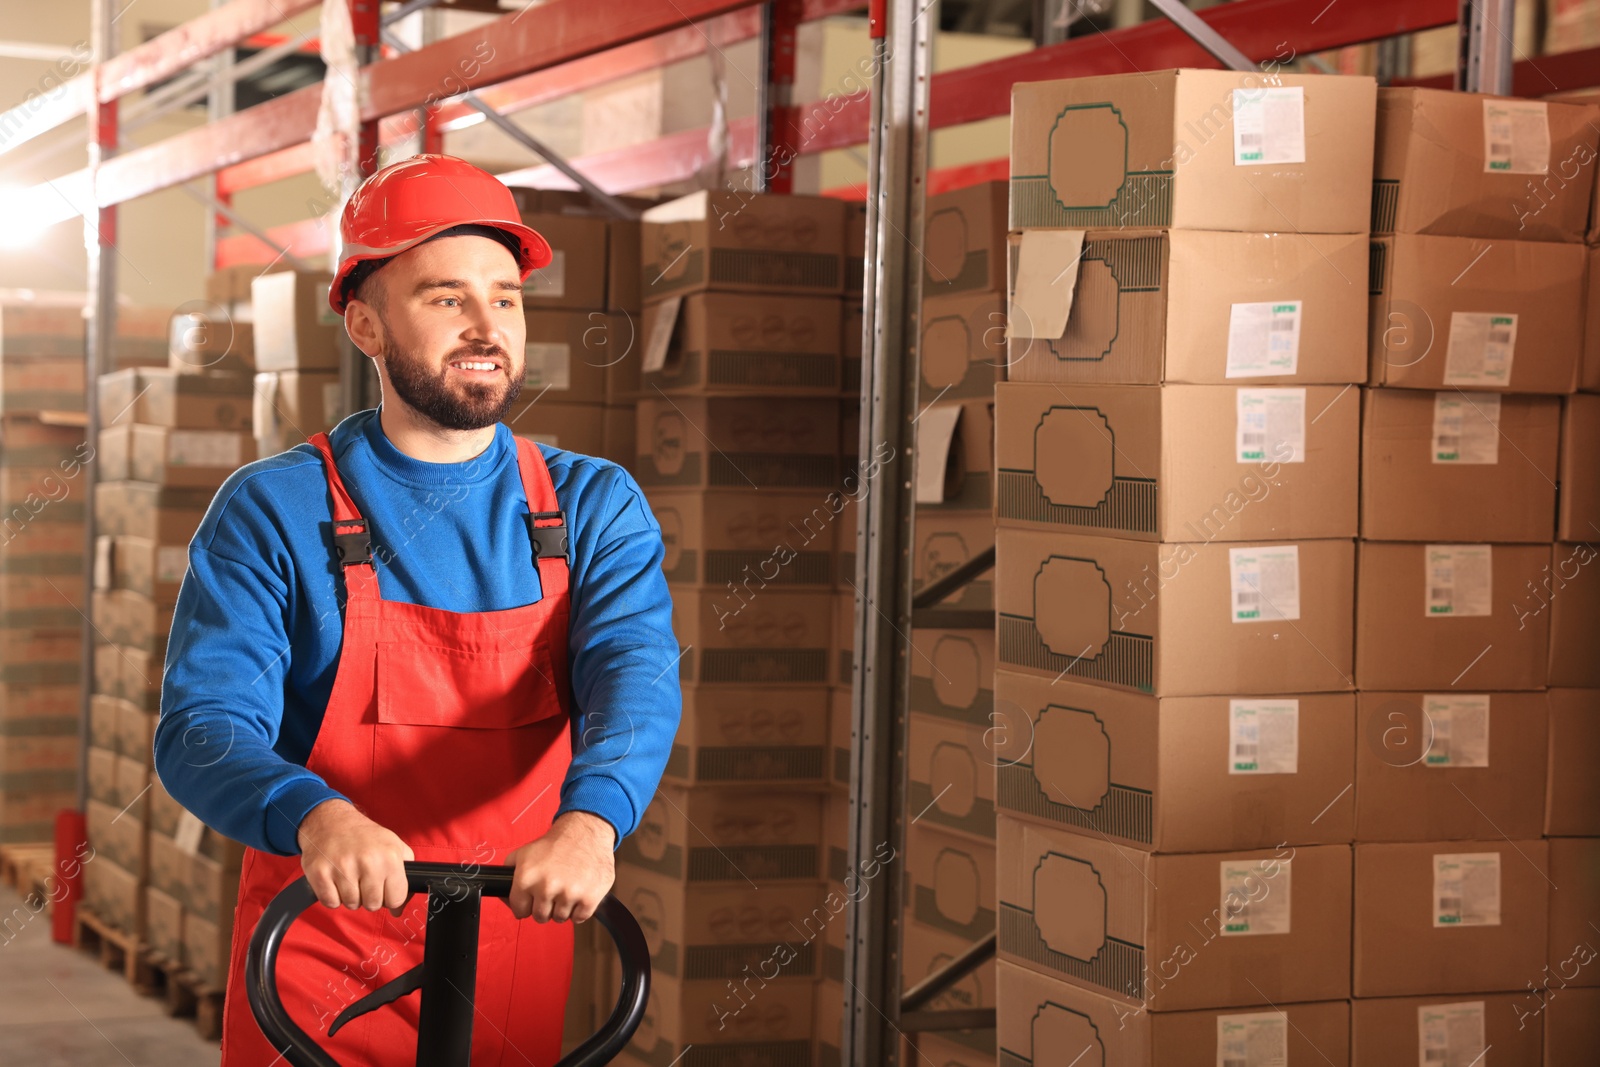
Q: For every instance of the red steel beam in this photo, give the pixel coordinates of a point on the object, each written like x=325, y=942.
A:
x=1556, y=73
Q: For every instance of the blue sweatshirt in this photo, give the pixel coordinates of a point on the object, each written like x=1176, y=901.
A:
x=259, y=620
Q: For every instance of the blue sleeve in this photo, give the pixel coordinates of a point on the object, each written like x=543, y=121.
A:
x=222, y=694
x=624, y=659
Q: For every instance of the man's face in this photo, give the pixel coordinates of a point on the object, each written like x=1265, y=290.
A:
x=452, y=331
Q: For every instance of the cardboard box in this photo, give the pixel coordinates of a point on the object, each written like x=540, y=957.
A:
x=205, y=951
x=1503, y=316
x=579, y=428
x=850, y=347
x=950, y=776
x=1570, y=590
x=114, y=895
x=204, y=343
x=158, y=396
x=942, y=542
x=1180, y=774
x=952, y=675
x=620, y=438
x=168, y=456
x=576, y=274
x=232, y=285
x=776, y=637
x=1144, y=308
x=733, y=836
x=754, y=1024
x=29, y=385
x=1572, y=806
x=963, y=349
x=1220, y=931
x=1469, y=164
x=163, y=927
x=1178, y=462
x=139, y=565
x=735, y=344
x=1194, y=149
x=828, y=1011
x=622, y=236
x=726, y=932
x=1589, y=363
x=1449, y=916
x=1040, y=1018
x=290, y=406
x=759, y=443
x=165, y=813
x=136, y=730
x=926, y=950
x=1406, y=1031
x=101, y=773
x=840, y=729
x=727, y=240
x=131, y=620
x=954, y=455
x=1458, y=466
x=748, y=540
x=964, y=240
x=295, y=328
x=1176, y=619
x=1435, y=616
x=118, y=837
x=579, y=357
x=1578, y=472
x=102, y=725
x=950, y=885
x=731, y=736
x=1574, y=903
x=154, y=512
x=1571, y=1026
x=855, y=248
x=1451, y=766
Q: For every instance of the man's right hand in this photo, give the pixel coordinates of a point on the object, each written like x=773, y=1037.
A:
x=350, y=860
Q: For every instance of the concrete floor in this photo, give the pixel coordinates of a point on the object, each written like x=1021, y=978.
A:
x=60, y=1008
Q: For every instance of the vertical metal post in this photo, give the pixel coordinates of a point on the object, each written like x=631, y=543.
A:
x=449, y=974
x=1487, y=33
x=775, y=155
x=99, y=241
x=902, y=32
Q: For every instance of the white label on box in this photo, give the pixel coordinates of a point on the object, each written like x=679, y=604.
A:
x=1451, y=1035
x=202, y=448
x=1271, y=425
x=1466, y=428
x=548, y=282
x=1460, y=579
x=1466, y=889
x=171, y=563
x=660, y=339
x=547, y=365
x=1516, y=137
x=1265, y=583
x=326, y=316
x=1255, y=897
x=1264, y=736
x=936, y=431
x=1459, y=730
x=1258, y=1039
x=332, y=405
x=1263, y=339
x=1269, y=125
x=1482, y=346
x=1047, y=279
x=187, y=835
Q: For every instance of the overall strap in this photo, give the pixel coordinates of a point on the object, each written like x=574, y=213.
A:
x=352, y=542
x=547, y=523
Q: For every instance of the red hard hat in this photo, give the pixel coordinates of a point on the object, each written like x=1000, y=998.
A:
x=407, y=202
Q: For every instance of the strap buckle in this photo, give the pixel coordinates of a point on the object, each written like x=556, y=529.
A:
x=352, y=543
x=549, y=541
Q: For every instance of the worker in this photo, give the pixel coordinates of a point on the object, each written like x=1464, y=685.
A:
x=418, y=636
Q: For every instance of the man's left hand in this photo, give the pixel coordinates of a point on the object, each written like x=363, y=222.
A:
x=567, y=872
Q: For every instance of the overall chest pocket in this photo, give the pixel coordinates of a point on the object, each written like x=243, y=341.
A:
x=431, y=685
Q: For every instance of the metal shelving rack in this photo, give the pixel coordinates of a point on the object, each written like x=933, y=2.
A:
x=563, y=46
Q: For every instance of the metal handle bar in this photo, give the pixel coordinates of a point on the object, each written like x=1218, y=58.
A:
x=300, y=1050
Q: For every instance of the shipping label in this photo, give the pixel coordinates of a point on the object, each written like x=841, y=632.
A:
x=548, y=282
x=1264, y=736
x=171, y=562
x=1271, y=425
x=660, y=339
x=1263, y=339
x=1269, y=125
x=1516, y=137
x=547, y=365
x=1256, y=1039
x=1482, y=345
x=1265, y=583
x=1466, y=889
x=1466, y=428
x=1459, y=579
x=1459, y=730
x=1255, y=897
x=1451, y=1035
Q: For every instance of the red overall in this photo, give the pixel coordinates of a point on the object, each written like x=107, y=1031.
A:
x=451, y=730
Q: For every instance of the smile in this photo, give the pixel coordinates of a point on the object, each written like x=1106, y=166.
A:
x=473, y=364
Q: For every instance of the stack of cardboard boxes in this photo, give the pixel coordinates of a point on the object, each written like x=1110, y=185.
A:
x=1176, y=454
x=739, y=447
x=297, y=350
x=1474, y=593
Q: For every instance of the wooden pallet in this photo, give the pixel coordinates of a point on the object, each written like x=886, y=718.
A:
x=27, y=868
x=116, y=949
x=184, y=997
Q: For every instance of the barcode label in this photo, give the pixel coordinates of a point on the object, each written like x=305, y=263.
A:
x=1254, y=1039
x=1264, y=583
x=1269, y=125
x=1264, y=736
x=1271, y=425
x=1264, y=339
x=1516, y=137
x=1466, y=428
x=1459, y=580
x=1451, y=1035
x=1482, y=348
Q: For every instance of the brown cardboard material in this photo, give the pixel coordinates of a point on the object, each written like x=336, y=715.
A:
x=1574, y=904
x=576, y=274
x=728, y=240
x=232, y=285
x=950, y=776
x=142, y=566
x=1388, y=1032
x=774, y=637
x=201, y=343
x=748, y=541
x=572, y=427
x=1160, y=774
x=855, y=248
x=577, y=357
x=205, y=950
x=1082, y=910
x=1572, y=805
x=1524, y=296
x=1160, y=149
x=1571, y=1027
x=120, y=840
x=622, y=237
x=730, y=736
x=291, y=405
x=1569, y=592
x=164, y=926
x=114, y=896
x=1178, y=462
x=926, y=950
x=1434, y=171
x=1403, y=949
x=295, y=328
x=964, y=240
x=762, y=1024
x=839, y=731
x=1579, y=473
x=157, y=396
x=759, y=443
x=963, y=350
x=1589, y=364
x=728, y=836
x=1455, y=466
x=850, y=327
x=829, y=1014
x=954, y=455
x=948, y=1052
x=131, y=620
x=620, y=440
x=1451, y=766
x=735, y=344
x=1157, y=617
x=154, y=512
x=168, y=456
x=1143, y=308
x=951, y=883
x=1408, y=638
x=952, y=675
x=1041, y=1018
x=943, y=541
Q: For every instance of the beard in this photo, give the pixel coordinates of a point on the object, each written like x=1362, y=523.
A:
x=461, y=405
